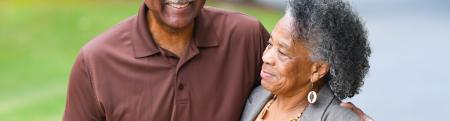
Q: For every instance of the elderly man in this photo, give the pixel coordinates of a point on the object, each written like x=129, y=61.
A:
x=174, y=61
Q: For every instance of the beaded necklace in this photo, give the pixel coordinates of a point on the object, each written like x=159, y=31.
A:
x=267, y=106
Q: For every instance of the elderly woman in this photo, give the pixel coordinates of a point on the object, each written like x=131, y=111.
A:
x=317, y=56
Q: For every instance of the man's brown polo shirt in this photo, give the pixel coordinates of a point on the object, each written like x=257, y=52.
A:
x=123, y=75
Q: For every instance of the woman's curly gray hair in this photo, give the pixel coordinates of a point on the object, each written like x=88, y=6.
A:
x=334, y=34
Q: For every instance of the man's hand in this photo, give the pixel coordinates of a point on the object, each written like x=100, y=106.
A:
x=358, y=111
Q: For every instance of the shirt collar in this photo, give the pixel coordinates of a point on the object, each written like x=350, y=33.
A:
x=144, y=45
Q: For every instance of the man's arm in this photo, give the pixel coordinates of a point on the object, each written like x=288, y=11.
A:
x=262, y=39
x=81, y=102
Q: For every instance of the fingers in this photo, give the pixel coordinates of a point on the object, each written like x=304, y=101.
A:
x=355, y=109
x=347, y=105
x=367, y=118
x=352, y=107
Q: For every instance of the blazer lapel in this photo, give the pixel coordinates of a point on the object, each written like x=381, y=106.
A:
x=314, y=112
x=258, y=98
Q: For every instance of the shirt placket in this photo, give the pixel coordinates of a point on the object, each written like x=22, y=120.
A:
x=181, y=88
x=181, y=99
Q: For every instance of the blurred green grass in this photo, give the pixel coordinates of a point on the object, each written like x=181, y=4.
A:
x=40, y=39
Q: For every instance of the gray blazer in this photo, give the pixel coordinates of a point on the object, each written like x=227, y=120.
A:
x=326, y=108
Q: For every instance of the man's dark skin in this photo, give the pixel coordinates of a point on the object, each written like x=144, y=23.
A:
x=171, y=24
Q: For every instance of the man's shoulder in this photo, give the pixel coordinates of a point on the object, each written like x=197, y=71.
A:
x=116, y=37
x=235, y=25
x=233, y=15
x=231, y=18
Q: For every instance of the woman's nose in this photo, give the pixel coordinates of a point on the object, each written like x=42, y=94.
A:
x=268, y=56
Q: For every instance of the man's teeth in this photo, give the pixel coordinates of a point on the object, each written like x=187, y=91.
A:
x=182, y=5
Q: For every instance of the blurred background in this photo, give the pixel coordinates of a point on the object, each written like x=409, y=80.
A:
x=407, y=81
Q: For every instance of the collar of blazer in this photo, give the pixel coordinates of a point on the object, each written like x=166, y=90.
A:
x=260, y=96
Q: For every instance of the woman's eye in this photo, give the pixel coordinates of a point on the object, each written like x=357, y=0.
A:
x=283, y=56
x=282, y=53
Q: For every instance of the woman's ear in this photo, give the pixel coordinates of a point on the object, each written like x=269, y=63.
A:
x=319, y=70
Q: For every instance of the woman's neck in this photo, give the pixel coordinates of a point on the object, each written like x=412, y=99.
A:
x=292, y=103
x=297, y=100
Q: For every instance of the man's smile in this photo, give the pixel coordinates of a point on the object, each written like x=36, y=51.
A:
x=178, y=4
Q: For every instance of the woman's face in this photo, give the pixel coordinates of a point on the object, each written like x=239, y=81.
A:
x=287, y=67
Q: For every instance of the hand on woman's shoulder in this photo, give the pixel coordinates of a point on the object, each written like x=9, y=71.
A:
x=335, y=112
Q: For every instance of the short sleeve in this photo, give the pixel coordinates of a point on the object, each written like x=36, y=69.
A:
x=81, y=102
x=263, y=38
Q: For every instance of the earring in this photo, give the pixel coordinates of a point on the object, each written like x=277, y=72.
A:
x=312, y=95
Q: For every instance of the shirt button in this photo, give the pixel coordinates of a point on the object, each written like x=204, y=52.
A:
x=181, y=87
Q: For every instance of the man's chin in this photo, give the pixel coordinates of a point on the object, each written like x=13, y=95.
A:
x=179, y=26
